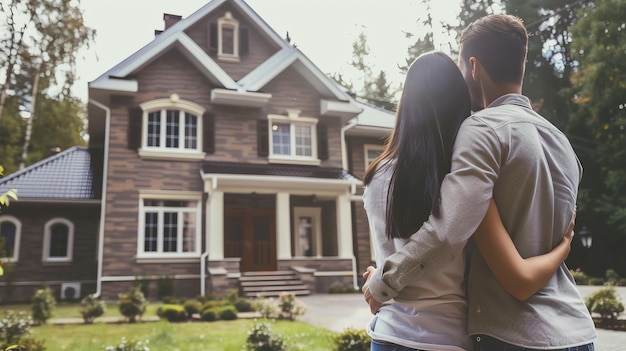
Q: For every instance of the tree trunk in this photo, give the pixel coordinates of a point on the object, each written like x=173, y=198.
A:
x=29, y=124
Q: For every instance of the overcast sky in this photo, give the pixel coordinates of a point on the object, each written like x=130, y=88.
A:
x=323, y=30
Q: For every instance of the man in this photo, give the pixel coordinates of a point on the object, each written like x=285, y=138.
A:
x=508, y=152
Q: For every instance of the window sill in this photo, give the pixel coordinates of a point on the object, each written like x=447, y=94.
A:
x=166, y=259
x=294, y=161
x=171, y=155
x=229, y=58
x=56, y=263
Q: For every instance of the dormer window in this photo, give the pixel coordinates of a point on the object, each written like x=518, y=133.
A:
x=228, y=39
x=228, y=34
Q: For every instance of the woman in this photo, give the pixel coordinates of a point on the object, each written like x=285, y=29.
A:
x=402, y=189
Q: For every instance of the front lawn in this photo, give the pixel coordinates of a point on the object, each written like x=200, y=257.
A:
x=187, y=336
x=72, y=310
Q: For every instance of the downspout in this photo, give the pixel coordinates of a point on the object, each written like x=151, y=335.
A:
x=205, y=255
x=344, y=164
x=105, y=170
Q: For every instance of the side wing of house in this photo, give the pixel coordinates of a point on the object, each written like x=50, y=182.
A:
x=224, y=156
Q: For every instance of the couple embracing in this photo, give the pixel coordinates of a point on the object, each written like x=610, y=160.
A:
x=471, y=208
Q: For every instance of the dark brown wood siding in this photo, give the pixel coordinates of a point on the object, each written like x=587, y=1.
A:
x=259, y=47
x=30, y=269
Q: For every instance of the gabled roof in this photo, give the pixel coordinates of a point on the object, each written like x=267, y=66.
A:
x=283, y=59
x=175, y=36
x=68, y=175
x=277, y=170
x=374, y=116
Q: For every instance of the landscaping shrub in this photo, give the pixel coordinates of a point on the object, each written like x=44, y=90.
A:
x=165, y=287
x=606, y=303
x=290, y=307
x=192, y=307
x=580, y=277
x=129, y=345
x=43, y=303
x=144, y=285
x=267, y=307
x=228, y=313
x=244, y=305
x=91, y=308
x=611, y=277
x=261, y=338
x=343, y=290
x=132, y=304
x=209, y=314
x=173, y=313
x=351, y=339
x=15, y=329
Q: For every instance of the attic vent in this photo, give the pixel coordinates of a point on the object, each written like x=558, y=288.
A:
x=70, y=291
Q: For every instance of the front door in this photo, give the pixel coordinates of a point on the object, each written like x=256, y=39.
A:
x=251, y=235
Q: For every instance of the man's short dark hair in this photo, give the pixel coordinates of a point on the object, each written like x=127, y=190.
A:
x=500, y=43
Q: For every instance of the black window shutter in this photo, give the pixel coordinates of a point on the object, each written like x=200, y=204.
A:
x=212, y=37
x=135, y=118
x=243, y=41
x=262, y=135
x=322, y=142
x=208, y=133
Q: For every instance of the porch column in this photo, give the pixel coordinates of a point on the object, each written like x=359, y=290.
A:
x=215, y=225
x=344, y=226
x=283, y=231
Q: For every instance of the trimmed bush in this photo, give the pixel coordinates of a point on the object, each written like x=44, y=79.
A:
x=15, y=329
x=351, y=339
x=261, y=338
x=228, y=313
x=132, y=304
x=173, y=313
x=290, y=307
x=91, y=308
x=129, y=345
x=43, y=303
x=209, y=314
x=244, y=305
x=192, y=307
x=165, y=287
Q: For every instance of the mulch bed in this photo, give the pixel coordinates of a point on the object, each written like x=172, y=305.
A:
x=617, y=324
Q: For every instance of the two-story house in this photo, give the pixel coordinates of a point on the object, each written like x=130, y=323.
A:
x=217, y=152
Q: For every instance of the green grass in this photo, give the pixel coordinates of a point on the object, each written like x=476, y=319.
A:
x=189, y=336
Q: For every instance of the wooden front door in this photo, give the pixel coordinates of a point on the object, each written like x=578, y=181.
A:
x=251, y=235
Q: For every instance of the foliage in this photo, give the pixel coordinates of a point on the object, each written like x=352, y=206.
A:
x=262, y=338
x=132, y=304
x=343, y=290
x=611, y=277
x=351, y=339
x=173, y=313
x=144, y=285
x=210, y=314
x=228, y=313
x=10, y=194
x=130, y=345
x=606, y=303
x=192, y=307
x=15, y=329
x=580, y=277
x=244, y=305
x=43, y=304
x=165, y=287
x=91, y=308
x=290, y=307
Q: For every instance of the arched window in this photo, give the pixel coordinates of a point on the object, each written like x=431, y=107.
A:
x=10, y=229
x=58, y=241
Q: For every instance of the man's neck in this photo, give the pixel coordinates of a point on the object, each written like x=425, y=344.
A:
x=493, y=91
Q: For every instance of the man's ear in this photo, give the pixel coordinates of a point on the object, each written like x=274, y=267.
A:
x=476, y=68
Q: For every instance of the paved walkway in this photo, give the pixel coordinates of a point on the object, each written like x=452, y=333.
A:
x=337, y=312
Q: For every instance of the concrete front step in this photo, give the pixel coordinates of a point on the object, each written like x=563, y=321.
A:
x=253, y=284
x=276, y=293
x=272, y=283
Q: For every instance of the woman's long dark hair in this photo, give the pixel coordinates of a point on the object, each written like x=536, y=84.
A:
x=435, y=101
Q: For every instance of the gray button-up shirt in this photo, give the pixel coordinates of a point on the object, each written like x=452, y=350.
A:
x=510, y=153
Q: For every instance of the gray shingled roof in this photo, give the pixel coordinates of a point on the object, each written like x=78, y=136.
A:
x=67, y=175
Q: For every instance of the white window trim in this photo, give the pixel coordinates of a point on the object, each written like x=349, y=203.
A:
x=18, y=232
x=293, y=118
x=168, y=195
x=46, y=241
x=227, y=22
x=162, y=152
x=316, y=215
x=367, y=148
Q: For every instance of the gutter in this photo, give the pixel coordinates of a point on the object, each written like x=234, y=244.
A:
x=105, y=172
x=344, y=148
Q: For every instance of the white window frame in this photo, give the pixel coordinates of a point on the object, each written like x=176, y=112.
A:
x=47, y=237
x=18, y=232
x=293, y=119
x=169, y=196
x=371, y=147
x=163, y=152
x=316, y=220
x=227, y=21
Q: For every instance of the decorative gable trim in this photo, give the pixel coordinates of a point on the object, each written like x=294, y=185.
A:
x=239, y=98
x=339, y=109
